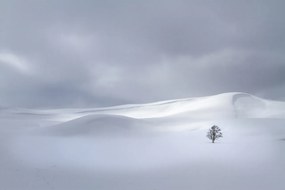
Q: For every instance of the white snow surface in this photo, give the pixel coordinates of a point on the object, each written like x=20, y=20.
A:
x=161, y=146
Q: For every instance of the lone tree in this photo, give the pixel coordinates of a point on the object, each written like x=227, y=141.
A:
x=214, y=133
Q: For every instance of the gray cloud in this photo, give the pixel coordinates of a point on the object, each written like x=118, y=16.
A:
x=96, y=53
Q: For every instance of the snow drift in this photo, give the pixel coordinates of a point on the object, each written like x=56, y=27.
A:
x=159, y=145
x=172, y=115
x=96, y=125
x=227, y=105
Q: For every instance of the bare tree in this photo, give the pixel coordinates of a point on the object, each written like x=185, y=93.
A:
x=214, y=133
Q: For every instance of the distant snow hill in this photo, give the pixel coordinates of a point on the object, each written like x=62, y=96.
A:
x=157, y=116
x=227, y=105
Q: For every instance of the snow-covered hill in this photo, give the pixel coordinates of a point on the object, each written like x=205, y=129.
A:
x=159, y=145
x=227, y=105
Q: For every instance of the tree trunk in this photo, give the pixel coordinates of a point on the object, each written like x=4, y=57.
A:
x=213, y=140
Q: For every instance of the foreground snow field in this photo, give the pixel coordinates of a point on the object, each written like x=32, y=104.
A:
x=157, y=146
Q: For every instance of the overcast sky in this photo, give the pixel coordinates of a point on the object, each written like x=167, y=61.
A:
x=71, y=53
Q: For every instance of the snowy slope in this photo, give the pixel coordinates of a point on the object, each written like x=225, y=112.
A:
x=159, y=145
x=96, y=125
x=223, y=105
x=172, y=115
x=227, y=105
